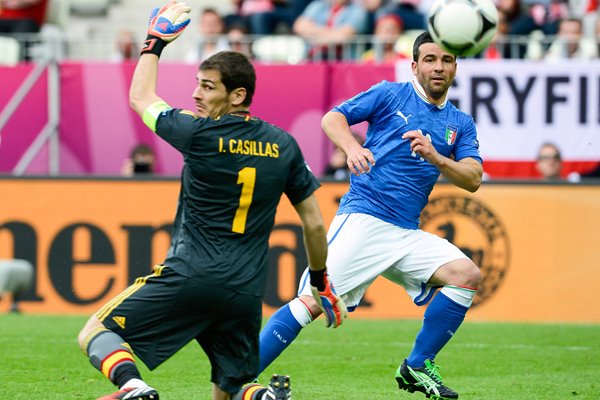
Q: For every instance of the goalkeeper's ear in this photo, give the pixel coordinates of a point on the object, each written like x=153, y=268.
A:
x=237, y=96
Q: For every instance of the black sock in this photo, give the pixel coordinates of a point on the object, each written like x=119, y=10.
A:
x=124, y=373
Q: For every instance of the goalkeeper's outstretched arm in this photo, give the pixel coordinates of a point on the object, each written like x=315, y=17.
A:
x=165, y=25
x=142, y=92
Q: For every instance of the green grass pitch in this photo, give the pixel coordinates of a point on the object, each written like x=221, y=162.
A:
x=40, y=359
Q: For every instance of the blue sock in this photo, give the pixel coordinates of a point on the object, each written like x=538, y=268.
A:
x=442, y=318
x=279, y=332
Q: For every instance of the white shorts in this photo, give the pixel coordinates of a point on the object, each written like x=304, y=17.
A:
x=362, y=247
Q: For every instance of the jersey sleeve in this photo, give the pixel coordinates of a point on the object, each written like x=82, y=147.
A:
x=467, y=144
x=301, y=182
x=364, y=105
x=176, y=126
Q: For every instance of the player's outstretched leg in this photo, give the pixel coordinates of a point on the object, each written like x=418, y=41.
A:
x=279, y=389
x=281, y=330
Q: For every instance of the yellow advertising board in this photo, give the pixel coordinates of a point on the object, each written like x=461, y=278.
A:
x=537, y=245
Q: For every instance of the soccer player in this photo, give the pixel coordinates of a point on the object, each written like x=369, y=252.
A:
x=210, y=286
x=414, y=135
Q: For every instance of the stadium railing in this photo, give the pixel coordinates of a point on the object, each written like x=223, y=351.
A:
x=287, y=49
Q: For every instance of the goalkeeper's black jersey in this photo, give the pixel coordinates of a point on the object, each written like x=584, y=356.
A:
x=235, y=170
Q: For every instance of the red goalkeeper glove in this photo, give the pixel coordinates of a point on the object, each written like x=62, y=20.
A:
x=331, y=304
x=166, y=24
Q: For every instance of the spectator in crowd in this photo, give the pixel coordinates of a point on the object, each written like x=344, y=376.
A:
x=22, y=17
x=337, y=168
x=549, y=162
x=549, y=165
x=237, y=17
x=570, y=42
x=141, y=161
x=512, y=9
x=211, y=30
x=412, y=12
x=327, y=24
x=387, y=31
x=542, y=15
x=16, y=277
x=238, y=39
x=126, y=48
x=265, y=17
x=509, y=11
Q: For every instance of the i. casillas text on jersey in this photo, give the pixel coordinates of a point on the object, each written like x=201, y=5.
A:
x=249, y=147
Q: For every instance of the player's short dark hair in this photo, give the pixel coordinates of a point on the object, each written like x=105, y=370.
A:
x=423, y=38
x=236, y=72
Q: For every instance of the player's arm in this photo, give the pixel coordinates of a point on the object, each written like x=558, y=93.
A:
x=142, y=92
x=315, y=236
x=166, y=24
x=336, y=127
x=315, y=242
x=465, y=173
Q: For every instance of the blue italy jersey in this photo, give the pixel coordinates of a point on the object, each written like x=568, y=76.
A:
x=398, y=186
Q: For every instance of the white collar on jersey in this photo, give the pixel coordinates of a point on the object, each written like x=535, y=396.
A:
x=421, y=92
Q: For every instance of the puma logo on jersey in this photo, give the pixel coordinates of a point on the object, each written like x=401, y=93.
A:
x=120, y=321
x=405, y=118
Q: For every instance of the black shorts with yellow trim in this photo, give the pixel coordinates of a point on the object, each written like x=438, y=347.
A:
x=160, y=313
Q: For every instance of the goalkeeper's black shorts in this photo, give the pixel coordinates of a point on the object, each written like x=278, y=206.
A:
x=162, y=312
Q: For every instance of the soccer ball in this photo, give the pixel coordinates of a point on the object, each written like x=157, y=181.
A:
x=463, y=27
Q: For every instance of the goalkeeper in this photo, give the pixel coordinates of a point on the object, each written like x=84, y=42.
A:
x=211, y=284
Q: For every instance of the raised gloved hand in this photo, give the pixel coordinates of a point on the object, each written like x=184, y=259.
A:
x=331, y=304
x=166, y=24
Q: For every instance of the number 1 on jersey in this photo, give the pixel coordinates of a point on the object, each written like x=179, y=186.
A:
x=246, y=178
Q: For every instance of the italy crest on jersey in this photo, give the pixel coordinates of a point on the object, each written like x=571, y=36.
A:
x=450, y=135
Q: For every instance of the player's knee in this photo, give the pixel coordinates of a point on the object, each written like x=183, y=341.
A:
x=90, y=328
x=471, y=275
x=466, y=273
x=461, y=272
x=476, y=276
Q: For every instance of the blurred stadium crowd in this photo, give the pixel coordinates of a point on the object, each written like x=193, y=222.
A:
x=287, y=31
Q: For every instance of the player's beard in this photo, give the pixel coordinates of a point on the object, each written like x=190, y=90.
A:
x=437, y=89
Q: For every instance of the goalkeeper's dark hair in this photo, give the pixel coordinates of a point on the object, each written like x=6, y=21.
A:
x=236, y=72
